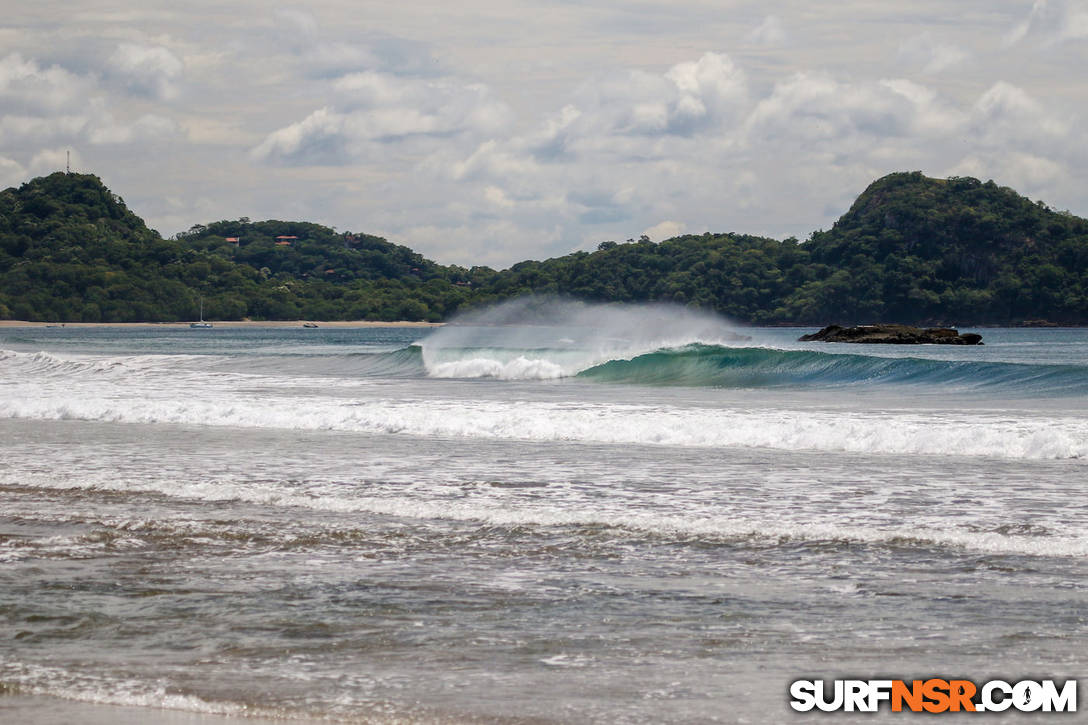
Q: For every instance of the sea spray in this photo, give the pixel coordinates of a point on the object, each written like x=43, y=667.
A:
x=541, y=337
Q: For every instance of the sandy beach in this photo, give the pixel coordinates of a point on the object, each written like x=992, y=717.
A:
x=229, y=323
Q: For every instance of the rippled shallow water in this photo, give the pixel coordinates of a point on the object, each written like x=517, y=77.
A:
x=326, y=524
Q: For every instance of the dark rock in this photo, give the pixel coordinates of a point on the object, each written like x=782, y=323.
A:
x=893, y=335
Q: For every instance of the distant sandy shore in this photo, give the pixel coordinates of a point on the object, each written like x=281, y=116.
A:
x=232, y=323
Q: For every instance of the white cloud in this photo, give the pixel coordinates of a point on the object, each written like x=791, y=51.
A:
x=11, y=172
x=299, y=34
x=622, y=165
x=148, y=127
x=770, y=32
x=1028, y=174
x=296, y=22
x=370, y=89
x=634, y=115
x=26, y=86
x=818, y=108
x=688, y=98
x=486, y=242
x=1006, y=115
x=928, y=55
x=930, y=114
x=1004, y=100
x=1053, y=21
x=376, y=52
x=490, y=159
x=853, y=118
x=438, y=106
x=30, y=130
x=374, y=111
x=96, y=125
x=713, y=82
x=331, y=58
x=319, y=137
x=665, y=230
x=604, y=164
x=483, y=132
x=147, y=70
x=46, y=110
x=496, y=196
x=47, y=161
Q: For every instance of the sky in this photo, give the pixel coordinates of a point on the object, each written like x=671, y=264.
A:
x=484, y=132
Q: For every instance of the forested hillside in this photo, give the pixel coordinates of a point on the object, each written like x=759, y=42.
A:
x=954, y=249
x=70, y=250
x=911, y=249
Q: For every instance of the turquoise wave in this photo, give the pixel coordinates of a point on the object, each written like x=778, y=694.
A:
x=749, y=367
x=695, y=365
x=407, y=362
x=703, y=365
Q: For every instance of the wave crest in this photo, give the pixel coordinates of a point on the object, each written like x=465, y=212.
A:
x=703, y=365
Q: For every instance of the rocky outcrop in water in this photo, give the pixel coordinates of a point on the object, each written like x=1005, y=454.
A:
x=893, y=335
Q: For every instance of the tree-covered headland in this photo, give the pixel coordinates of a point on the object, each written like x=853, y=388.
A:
x=911, y=249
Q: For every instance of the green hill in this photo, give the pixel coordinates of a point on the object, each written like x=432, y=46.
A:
x=951, y=250
x=70, y=250
x=911, y=250
x=741, y=276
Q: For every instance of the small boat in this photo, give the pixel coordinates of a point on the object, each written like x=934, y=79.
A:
x=202, y=325
x=309, y=324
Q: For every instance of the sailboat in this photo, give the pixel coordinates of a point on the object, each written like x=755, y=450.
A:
x=202, y=325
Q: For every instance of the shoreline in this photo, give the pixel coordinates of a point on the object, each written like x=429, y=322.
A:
x=36, y=708
x=225, y=323
x=41, y=709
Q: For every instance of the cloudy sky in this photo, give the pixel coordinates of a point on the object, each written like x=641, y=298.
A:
x=484, y=132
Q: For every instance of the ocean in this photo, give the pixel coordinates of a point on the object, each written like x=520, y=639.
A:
x=594, y=515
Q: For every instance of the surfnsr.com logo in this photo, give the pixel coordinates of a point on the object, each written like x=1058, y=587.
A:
x=933, y=695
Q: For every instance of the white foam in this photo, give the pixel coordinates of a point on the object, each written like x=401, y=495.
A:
x=884, y=432
x=160, y=390
x=57, y=682
x=42, y=362
x=721, y=527
x=520, y=368
x=622, y=516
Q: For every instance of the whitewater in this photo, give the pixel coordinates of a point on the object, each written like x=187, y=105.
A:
x=548, y=512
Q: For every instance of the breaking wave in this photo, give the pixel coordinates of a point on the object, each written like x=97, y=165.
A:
x=989, y=434
x=692, y=365
x=752, y=367
x=728, y=366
